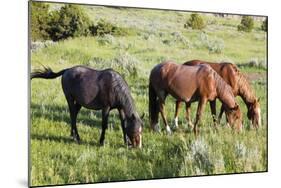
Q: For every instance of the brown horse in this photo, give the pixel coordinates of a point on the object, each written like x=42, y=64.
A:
x=190, y=83
x=240, y=87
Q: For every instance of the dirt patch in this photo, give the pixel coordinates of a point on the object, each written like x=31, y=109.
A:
x=253, y=76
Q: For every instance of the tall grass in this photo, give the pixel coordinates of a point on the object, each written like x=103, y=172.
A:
x=57, y=159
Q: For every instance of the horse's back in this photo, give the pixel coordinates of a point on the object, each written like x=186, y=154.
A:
x=89, y=87
x=79, y=77
x=228, y=71
x=180, y=81
x=215, y=66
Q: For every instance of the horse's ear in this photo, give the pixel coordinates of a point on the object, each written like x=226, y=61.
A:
x=133, y=117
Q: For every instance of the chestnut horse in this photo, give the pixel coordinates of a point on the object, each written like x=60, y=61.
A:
x=240, y=87
x=98, y=90
x=190, y=83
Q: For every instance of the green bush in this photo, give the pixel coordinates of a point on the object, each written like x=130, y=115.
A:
x=103, y=27
x=195, y=22
x=39, y=21
x=124, y=63
x=215, y=45
x=106, y=39
x=247, y=24
x=264, y=25
x=69, y=21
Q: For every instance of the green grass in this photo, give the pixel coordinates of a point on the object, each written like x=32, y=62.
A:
x=57, y=159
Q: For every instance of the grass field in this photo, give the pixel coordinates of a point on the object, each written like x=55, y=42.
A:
x=57, y=159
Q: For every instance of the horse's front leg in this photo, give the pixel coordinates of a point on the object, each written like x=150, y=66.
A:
x=178, y=103
x=122, y=119
x=220, y=114
x=214, y=113
x=105, y=114
x=163, y=114
x=200, y=109
x=187, y=114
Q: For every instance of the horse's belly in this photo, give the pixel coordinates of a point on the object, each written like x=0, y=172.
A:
x=95, y=104
x=182, y=92
x=181, y=95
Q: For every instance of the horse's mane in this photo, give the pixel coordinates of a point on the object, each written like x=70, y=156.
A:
x=222, y=87
x=122, y=92
x=245, y=89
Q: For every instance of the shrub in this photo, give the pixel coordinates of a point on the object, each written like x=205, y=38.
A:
x=39, y=21
x=106, y=39
x=69, y=21
x=39, y=45
x=176, y=38
x=124, y=63
x=216, y=45
x=195, y=22
x=264, y=25
x=180, y=38
x=106, y=28
x=247, y=24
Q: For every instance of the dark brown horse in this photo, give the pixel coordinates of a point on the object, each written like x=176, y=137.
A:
x=240, y=87
x=98, y=90
x=190, y=83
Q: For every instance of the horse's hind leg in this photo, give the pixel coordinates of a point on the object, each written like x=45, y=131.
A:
x=73, y=109
x=178, y=103
x=163, y=114
x=105, y=114
x=200, y=109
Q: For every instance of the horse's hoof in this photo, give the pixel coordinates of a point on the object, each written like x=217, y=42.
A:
x=168, y=129
x=190, y=125
x=157, y=128
x=101, y=143
x=76, y=139
x=176, y=125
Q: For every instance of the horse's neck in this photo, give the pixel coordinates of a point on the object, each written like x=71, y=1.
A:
x=225, y=94
x=128, y=110
x=246, y=93
x=122, y=96
x=127, y=105
x=227, y=99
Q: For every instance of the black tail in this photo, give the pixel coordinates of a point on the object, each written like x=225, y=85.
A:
x=153, y=106
x=47, y=73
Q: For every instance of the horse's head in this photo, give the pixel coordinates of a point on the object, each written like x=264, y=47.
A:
x=254, y=113
x=234, y=117
x=134, y=131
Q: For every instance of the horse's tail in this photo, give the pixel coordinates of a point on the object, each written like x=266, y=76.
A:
x=46, y=73
x=153, y=106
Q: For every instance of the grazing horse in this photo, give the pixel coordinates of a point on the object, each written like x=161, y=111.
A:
x=190, y=83
x=98, y=90
x=240, y=87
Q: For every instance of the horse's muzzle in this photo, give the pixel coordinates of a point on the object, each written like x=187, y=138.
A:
x=135, y=142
